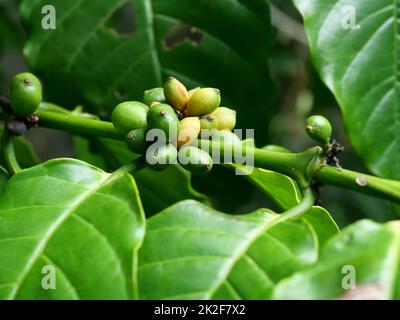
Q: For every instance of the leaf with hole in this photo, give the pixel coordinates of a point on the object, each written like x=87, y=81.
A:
x=90, y=59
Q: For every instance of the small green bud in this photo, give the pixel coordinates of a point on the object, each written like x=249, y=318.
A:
x=319, y=128
x=163, y=117
x=25, y=94
x=136, y=141
x=203, y=101
x=275, y=148
x=176, y=94
x=226, y=118
x=208, y=122
x=162, y=157
x=128, y=116
x=189, y=130
x=195, y=160
x=154, y=95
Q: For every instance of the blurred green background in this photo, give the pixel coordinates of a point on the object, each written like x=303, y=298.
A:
x=301, y=93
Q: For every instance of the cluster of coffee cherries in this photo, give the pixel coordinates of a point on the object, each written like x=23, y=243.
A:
x=181, y=116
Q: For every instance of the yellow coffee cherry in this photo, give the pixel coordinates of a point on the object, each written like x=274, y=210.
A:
x=190, y=92
x=226, y=118
x=208, y=122
x=176, y=94
x=189, y=130
x=203, y=101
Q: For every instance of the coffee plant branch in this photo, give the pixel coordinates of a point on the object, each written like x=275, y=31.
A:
x=303, y=167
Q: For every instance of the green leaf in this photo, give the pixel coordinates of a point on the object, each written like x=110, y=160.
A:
x=158, y=190
x=86, y=61
x=86, y=224
x=367, y=251
x=286, y=194
x=191, y=251
x=10, y=31
x=3, y=178
x=363, y=72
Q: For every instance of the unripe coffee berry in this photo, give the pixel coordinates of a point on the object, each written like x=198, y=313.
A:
x=319, y=128
x=161, y=157
x=25, y=94
x=226, y=118
x=208, y=122
x=203, y=101
x=136, y=141
x=128, y=116
x=195, y=160
x=225, y=137
x=154, y=95
x=190, y=92
x=189, y=130
x=176, y=94
x=163, y=117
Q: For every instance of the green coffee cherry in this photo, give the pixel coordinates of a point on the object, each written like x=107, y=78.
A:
x=128, y=116
x=226, y=118
x=164, y=118
x=162, y=157
x=208, y=122
x=275, y=148
x=195, y=160
x=25, y=94
x=154, y=95
x=176, y=94
x=225, y=136
x=189, y=130
x=136, y=141
x=319, y=128
x=203, y=101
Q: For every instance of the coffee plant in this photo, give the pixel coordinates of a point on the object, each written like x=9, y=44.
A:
x=154, y=110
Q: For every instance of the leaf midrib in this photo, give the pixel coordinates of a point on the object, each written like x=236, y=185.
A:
x=229, y=265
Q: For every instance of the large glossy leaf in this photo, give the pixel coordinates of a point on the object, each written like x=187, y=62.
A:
x=366, y=251
x=193, y=252
x=158, y=190
x=86, y=60
x=285, y=192
x=361, y=67
x=86, y=224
